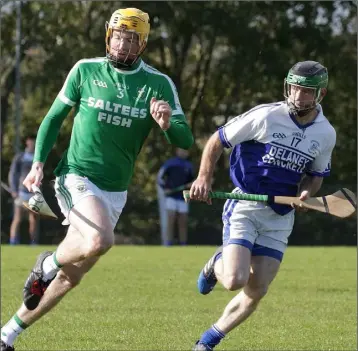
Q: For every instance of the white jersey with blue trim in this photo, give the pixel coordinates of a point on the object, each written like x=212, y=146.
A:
x=272, y=151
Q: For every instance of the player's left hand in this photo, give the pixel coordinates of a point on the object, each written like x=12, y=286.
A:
x=304, y=196
x=161, y=112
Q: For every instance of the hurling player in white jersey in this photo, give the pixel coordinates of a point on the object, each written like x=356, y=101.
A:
x=282, y=148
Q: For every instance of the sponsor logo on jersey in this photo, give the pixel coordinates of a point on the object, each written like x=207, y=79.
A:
x=118, y=112
x=314, y=147
x=279, y=135
x=287, y=159
x=100, y=83
x=141, y=91
x=299, y=135
x=81, y=187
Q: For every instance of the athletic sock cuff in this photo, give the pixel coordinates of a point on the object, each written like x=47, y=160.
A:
x=20, y=323
x=55, y=261
x=220, y=333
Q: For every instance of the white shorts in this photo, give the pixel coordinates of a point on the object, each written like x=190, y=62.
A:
x=176, y=205
x=256, y=226
x=71, y=188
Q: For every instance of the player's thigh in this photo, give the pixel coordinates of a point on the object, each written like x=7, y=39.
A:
x=273, y=233
x=88, y=208
x=236, y=264
x=263, y=271
x=239, y=235
x=90, y=216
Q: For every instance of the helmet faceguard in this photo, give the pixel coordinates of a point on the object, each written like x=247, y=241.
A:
x=124, y=21
x=309, y=76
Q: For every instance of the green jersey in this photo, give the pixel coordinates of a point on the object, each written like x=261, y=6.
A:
x=112, y=120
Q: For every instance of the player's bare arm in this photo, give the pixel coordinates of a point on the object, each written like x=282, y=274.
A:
x=202, y=185
x=310, y=186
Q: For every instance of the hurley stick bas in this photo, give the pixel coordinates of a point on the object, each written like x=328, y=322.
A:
x=342, y=203
x=38, y=205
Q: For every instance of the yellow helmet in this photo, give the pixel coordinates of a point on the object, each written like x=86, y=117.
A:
x=131, y=20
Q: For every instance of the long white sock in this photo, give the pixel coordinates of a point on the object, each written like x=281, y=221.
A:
x=12, y=329
x=50, y=267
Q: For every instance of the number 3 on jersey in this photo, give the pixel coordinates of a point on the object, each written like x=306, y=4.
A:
x=120, y=93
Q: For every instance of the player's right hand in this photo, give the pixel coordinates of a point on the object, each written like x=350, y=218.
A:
x=199, y=190
x=35, y=176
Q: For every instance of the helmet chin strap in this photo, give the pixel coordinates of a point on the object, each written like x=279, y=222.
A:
x=298, y=113
x=120, y=65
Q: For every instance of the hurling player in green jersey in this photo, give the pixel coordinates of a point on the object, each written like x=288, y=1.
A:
x=118, y=99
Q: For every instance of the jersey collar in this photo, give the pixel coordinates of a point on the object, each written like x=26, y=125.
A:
x=133, y=69
x=318, y=118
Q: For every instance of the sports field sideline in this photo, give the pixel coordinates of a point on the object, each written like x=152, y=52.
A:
x=145, y=298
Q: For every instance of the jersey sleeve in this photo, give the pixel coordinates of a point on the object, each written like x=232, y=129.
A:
x=248, y=126
x=321, y=165
x=70, y=92
x=170, y=94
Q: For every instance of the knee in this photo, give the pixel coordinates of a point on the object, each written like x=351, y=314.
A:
x=69, y=280
x=234, y=282
x=99, y=244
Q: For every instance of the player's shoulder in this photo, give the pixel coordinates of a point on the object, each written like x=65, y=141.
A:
x=90, y=63
x=264, y=111
x=155, y=73
x=323, y=123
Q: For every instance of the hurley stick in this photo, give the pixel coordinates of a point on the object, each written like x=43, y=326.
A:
x=342, y=203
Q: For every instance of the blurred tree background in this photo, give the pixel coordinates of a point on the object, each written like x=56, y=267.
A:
x=224, y=57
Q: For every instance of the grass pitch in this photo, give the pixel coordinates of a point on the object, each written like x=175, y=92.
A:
x=145, y=298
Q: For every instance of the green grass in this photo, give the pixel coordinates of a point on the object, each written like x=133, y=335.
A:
x=145, y=298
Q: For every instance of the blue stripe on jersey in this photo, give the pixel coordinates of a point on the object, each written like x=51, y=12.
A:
x=223, y=138
x=258, y=168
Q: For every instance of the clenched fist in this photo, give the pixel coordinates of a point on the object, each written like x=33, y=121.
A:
x=161, y=112
x=35, y=176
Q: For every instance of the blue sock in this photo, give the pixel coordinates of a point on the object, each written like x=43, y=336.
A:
x=14, y=241
x=183, y=243
x=168, y=243
x=212, y=336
